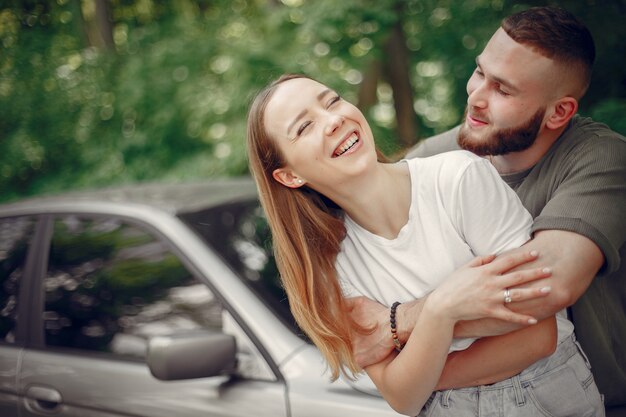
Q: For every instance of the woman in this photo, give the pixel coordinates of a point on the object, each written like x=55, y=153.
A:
x=320, y=182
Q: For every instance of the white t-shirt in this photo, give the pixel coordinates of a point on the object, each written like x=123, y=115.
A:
x=460, y=208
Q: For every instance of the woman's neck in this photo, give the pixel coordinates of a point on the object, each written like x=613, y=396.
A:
x=380, y=201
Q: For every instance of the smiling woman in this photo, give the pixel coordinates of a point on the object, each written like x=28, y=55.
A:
x=345, y=224
x=298, y=117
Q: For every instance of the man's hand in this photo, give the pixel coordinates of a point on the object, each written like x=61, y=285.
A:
x=374, y=346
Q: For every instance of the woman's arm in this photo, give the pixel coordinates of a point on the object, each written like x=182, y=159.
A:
x=488, y=360
x=492, y=359
x=407, y=379
x=375, y=346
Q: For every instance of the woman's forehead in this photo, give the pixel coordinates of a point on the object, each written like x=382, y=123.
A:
x=302, y=88
x=290, y=98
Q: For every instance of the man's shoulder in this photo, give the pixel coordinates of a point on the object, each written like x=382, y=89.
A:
x=437, y=144
x=585, y=128
x=587, y=141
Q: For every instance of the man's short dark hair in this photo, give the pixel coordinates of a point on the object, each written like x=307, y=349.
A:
x=556, y=34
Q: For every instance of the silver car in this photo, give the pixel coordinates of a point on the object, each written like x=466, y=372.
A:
x=155, y=300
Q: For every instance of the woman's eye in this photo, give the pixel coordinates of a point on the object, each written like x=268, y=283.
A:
x=303, y=127
x=334, y=100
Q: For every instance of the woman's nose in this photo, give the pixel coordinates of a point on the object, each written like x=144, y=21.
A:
x=333, y=122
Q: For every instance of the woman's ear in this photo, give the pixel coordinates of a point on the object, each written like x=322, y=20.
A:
x=564, y=109
x=286, y=177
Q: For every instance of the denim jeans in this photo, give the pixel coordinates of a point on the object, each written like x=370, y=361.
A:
x=559, y=385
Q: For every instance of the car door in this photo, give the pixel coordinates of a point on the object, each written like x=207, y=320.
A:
x=110, y=284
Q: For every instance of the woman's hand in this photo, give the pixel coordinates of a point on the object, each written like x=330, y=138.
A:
x=477, y=290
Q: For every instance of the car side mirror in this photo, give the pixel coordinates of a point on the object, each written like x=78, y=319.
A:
x=192, y=355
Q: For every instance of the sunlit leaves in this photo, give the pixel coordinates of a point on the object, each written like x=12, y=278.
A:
x=169, y=99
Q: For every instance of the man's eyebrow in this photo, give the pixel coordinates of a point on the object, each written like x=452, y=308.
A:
x=300, y=115
x=497, y=79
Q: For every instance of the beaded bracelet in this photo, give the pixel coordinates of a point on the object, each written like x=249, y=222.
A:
x=392, y=322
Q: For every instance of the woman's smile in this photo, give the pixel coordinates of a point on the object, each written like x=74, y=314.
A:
x=346, y=145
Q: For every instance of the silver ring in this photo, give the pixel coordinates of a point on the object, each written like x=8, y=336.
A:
x=507, y=296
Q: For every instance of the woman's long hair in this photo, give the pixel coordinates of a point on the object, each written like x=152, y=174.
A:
x=307, y=230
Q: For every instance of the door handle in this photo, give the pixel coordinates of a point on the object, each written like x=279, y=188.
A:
x=44, y=398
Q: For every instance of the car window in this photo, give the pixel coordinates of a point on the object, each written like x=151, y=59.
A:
x=15, y=234
x=111, y=285
x=239, y=232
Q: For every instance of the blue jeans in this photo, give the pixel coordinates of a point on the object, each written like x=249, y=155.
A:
x=559, y=385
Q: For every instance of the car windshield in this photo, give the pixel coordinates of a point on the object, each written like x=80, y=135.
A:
x=239, y=233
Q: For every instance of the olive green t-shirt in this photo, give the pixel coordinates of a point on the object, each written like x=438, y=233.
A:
x=580, y=185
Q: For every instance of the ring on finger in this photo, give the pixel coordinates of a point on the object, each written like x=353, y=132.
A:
x=507, y=296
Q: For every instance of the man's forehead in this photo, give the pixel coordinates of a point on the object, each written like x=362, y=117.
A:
x=509, y=60
x=503, y=47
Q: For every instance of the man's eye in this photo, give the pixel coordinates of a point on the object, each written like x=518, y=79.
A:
x=478, y=72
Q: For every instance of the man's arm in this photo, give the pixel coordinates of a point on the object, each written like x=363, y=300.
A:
x=574, y=260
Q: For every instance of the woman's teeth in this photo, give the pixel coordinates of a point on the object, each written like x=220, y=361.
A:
x=346, y=145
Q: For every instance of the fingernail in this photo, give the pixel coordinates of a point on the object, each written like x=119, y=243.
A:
x=546, y=270
x=532, y=321
x=534, y=253
x=546, y=289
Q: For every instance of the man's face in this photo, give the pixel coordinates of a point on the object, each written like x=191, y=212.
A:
x=508, y=94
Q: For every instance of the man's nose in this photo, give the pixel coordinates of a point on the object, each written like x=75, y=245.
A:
x=477, y=94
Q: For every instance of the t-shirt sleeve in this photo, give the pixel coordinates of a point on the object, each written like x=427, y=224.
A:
x=590, y=197
x=489, y=214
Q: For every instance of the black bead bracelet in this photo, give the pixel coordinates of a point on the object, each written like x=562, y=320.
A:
x=392, y=322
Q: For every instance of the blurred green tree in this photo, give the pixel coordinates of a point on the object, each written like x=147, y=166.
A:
x=97, y=92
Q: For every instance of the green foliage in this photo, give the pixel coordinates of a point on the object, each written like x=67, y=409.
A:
x=169, y=101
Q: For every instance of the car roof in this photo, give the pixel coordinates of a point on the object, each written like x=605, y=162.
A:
x=174, y=198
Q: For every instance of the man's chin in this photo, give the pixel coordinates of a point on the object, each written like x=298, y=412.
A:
x=473, y=141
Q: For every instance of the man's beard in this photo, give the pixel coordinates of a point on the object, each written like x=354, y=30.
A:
x=502, y=141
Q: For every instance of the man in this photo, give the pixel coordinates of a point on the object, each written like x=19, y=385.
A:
x=569, y=172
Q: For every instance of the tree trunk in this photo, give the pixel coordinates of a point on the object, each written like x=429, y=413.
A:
x=104, y=23
x=396, y=68
x=367, y=89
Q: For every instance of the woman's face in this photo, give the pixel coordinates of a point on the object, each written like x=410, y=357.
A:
x=325, y=140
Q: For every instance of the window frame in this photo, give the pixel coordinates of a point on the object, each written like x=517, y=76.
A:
x=32, y=266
